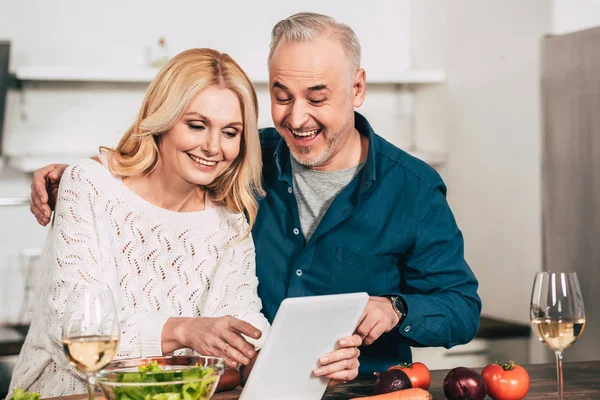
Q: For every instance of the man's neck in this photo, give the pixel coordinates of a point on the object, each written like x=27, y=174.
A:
x=354, y=151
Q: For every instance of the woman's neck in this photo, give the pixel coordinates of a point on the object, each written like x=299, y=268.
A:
x=165, y=189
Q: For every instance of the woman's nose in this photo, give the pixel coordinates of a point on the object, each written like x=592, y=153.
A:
x=211, y=144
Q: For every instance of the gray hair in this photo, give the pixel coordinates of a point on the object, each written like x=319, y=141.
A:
x=307, y=26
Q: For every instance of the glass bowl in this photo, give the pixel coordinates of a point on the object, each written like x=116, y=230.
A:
x=179, y=378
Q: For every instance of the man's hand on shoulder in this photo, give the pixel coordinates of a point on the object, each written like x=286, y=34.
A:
x=378, y=318
x=44, y=190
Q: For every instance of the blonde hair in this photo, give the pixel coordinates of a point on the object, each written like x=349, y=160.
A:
x=306, y=26
x=167, y=98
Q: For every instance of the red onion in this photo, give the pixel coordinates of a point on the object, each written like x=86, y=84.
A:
x=464, y=384
x=391, y=381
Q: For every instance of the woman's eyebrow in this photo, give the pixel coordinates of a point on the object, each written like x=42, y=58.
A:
x=197, y=114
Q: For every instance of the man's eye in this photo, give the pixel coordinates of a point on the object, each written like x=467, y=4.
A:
x=196, y=127
x=280, y=100
x=317, y=101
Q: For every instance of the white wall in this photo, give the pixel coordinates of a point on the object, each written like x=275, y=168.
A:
x=18, y=232
x=574, y=15
x=75, y=118
x=486, y=115
x=43, y=117
x=490, y=106
x=75, y=32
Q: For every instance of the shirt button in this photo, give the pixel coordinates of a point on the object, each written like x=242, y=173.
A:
x=296, y=231
x=299, y=272
x=407, y=329
x=289, y=190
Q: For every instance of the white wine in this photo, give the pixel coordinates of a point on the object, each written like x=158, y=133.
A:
x=90, y=353
x=558, y=334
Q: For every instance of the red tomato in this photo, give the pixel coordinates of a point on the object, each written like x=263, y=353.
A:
x=417, y=372
x=506, y=381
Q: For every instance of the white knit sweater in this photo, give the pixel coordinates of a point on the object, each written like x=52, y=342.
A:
x=158, y=263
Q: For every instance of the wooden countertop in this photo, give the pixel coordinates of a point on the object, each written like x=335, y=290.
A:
x=582, y=381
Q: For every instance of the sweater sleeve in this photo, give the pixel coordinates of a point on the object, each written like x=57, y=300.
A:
x=235, y=288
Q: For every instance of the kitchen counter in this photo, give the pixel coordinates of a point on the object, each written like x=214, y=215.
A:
x=11, y=339
x=491, y=328
x=582, y=381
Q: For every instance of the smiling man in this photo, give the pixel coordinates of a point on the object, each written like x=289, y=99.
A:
x=345, y=211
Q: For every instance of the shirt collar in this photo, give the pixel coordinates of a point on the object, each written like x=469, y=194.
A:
x=369, y=170
x=282, y=161
x=282, y=155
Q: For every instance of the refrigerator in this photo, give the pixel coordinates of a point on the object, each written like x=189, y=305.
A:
x=4, y=81
x=570, y=89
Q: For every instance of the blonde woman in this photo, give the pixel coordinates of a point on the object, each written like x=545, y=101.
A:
x=164, y=220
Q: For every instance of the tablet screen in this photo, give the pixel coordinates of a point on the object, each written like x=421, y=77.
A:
x=304, y=329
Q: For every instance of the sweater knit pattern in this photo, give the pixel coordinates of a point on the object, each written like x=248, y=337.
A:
x=158, y=264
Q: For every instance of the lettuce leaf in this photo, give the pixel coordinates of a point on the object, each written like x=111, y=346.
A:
x=21, y=394
x=154, y=373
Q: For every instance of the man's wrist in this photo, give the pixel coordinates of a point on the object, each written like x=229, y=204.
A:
x=399, y=307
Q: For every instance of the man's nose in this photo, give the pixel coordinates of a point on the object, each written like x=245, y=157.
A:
x=299, y=115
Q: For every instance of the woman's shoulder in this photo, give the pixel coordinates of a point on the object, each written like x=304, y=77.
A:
x=231, y=221
x=88, y=172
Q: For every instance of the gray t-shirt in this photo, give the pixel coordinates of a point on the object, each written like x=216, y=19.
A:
x=316, y=190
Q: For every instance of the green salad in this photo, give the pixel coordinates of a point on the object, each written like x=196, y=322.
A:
x=21, y=394
x=151, y=373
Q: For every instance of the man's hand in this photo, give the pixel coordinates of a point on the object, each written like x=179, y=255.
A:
x=342, y=364
x=44, y=190
x=378, y=318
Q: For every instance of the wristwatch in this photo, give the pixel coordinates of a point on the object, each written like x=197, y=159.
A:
x=399, y=306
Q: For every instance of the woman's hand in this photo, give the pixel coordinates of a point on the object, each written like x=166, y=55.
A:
x=218, y=337
x=342, y=364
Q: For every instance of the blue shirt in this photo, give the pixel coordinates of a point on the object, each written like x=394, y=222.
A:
x=390, y=231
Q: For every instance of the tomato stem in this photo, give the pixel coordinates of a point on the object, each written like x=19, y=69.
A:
x=404, y=365
x=506, y=365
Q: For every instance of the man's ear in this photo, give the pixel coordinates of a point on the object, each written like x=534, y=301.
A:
x=359, y=87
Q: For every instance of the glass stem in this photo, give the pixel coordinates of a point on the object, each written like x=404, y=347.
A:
x=559, y=374
x=91, y=387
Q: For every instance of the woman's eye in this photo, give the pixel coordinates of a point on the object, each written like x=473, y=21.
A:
x=196, y=127
x=229, y=134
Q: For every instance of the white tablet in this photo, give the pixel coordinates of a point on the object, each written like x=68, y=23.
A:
x=304, y=329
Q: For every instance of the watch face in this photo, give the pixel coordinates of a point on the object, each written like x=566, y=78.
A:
x=399, y=305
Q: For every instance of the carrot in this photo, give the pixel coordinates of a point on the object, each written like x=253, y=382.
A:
x=406, y=394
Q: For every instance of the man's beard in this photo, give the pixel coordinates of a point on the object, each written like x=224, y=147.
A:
x=304, y=157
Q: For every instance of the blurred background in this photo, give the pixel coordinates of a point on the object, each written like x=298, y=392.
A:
x=499, y=96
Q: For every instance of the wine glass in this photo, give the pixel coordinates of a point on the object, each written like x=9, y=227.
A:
x=90, y=333
x=557, y=314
